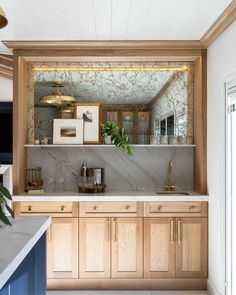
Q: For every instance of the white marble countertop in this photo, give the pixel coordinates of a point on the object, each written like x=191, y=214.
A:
x=17, y=240
x=113, y=196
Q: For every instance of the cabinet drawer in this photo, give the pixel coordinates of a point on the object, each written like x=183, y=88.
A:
x=168, y=209
x=49, y=208
x=110, y=209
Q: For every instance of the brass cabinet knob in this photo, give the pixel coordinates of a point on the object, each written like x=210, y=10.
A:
x=191, y=208
x=62, y=208
x=95, y=208
x=127, y=207
x=29, y=208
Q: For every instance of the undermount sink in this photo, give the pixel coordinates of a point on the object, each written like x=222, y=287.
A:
x=172, y=193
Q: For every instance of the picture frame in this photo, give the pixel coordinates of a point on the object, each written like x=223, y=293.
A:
x=68, y=131
x=91, y=114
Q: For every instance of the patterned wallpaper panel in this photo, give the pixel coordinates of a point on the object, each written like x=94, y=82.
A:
x=113, y=83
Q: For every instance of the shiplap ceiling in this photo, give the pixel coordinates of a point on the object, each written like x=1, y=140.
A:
x=109, y=19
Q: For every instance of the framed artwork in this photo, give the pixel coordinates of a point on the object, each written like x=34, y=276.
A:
x=91, y=114
x=68, y=131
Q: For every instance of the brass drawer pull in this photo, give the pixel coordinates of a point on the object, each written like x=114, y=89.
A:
x=49, y=234
x=115, y=229
x=108, y=229
x=127, y=207
x=172, y=239
x=179, y=230
x=62, y=208
x=29, y=208
x=95, y=208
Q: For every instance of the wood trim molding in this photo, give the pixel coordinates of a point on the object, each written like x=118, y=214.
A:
x=127, y=284
x=103, y=45
x=220, y=25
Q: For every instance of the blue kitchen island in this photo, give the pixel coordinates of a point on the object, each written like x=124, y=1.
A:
x=23, y=256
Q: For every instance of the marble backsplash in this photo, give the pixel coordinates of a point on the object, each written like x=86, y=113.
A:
x=147, y=170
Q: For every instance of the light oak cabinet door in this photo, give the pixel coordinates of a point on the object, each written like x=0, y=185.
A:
x=62, y=248
x=94, y=250
x=127, y=248
x=191, y=246
x=159, y=248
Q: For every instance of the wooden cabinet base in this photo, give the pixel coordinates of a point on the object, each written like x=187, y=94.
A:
x=127, y=284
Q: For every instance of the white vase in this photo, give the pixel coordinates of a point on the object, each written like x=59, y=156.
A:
x=107, y=139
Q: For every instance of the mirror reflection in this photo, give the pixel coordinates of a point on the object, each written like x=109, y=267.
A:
x=152, y=101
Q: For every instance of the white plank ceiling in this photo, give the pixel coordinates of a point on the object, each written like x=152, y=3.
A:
x=109, y=19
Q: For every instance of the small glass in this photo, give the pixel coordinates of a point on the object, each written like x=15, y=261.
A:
x=173, y=139
x=60, y=184
x=163, y=139
x=49, y=185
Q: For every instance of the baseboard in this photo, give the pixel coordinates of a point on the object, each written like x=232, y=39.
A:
x=212, y=289
x=126, y=284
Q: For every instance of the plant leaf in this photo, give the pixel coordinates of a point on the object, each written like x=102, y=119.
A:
x=10, y=211
x=5, y=192
x=3, y=218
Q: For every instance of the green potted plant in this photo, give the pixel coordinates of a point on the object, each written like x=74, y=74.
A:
x=114, y=134
x=4, y=195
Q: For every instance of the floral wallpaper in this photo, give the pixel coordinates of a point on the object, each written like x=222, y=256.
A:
x=113, y=83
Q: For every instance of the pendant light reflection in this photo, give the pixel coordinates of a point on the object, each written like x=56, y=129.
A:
x=57, y=98
x=3, y=19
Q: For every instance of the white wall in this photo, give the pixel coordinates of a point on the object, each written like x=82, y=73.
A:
x=6, y=89
x=221, y=61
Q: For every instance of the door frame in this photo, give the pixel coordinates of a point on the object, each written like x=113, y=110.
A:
x=229, y=80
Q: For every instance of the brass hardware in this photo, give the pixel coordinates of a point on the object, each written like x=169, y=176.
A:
x=159, y=208
x=172, y=231
x=169, y=187
x=108, y=229
x=57, y=98
x=95, y=208
x=179, y=230
x=62, y=208
x=29, y=208
x=49, y=234
x=115, y=229
x=127, y=207
x=191, y=208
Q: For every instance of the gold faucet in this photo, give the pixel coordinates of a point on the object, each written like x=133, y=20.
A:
x=169, y=186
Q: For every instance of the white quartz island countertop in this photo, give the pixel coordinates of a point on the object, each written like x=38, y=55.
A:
x=16, y=242
x=112, y=196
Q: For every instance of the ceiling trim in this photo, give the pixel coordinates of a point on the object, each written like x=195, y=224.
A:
x=220, y=25
x=103, y=45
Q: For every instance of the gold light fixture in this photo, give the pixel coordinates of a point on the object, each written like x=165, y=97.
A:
x=57, y=98
x=3, y=19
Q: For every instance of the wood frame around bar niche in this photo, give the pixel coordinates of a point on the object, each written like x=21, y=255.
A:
x=114, y=51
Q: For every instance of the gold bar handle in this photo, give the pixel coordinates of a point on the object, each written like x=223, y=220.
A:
x=172, y=231
x=108, y=229
x=179, y=231
x=114, y=230
x=49, y=234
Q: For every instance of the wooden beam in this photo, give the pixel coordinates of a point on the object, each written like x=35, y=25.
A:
x=220, y=25
x=163, y=89
x=105, y=45
x=200, y=124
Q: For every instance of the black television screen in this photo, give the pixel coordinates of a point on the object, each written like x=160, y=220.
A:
x=6, y=132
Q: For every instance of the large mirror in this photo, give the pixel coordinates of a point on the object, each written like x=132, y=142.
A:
x=152, y=101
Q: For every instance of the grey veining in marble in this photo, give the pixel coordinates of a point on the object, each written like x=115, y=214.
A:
x=17, y=240
x=145, y=171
